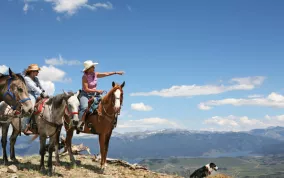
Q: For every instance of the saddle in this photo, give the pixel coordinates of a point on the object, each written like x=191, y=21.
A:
x=91, y=110
x=32, y=126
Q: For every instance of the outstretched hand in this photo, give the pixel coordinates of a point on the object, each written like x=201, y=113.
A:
x=120, y=72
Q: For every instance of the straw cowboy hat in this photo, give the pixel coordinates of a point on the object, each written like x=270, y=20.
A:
x=88, y=64
x=32, y=67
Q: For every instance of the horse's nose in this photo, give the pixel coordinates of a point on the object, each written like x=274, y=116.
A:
x=116, y=109
x=75, y=122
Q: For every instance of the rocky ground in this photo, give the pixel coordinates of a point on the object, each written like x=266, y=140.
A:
x=28, y=167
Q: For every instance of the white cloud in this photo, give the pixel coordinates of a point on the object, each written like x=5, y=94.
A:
x=202, y=106
x=222, y=121
x=72, y=6
x=3, y=69
x=272, y=100
x=129, y=7
x=107, y=6
x=48, y=86
x=26, y=7
x=61, y=61
x=50, y=73
x=146, y=124
x=255, y=96
x=247, y=83
x=141, y=107
x=244, y=123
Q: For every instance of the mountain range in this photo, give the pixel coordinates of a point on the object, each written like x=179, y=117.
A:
x=177, y=143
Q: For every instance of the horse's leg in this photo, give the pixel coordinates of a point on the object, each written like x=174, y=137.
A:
x=13, y=139
x=57, y=162
x=102, y=138
x=106, y=147
x=68, y=143
x=52, y=141
x=5, y=128
x=42, y=152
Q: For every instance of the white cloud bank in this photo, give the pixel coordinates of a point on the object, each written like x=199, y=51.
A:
x=247, y=83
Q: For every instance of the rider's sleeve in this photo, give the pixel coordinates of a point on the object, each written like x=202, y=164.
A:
x=39, y=84
x=32, y=86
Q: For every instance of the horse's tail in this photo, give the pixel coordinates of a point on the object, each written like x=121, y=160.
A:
x=34, y=137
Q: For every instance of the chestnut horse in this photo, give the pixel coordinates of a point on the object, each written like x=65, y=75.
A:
x=101, y=124
x=14, y=92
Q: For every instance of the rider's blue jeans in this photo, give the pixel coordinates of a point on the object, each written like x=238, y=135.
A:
x=84, y=98
x=26, y=120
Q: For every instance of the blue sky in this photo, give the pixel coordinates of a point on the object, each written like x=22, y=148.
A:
x=200, y=65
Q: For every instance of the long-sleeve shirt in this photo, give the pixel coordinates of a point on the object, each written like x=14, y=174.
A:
x=34, y=86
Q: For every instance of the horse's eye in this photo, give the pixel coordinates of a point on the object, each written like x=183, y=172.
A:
x=20, y=89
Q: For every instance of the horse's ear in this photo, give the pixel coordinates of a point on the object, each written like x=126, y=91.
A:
x=77, y=93
x=122, y=85
x=113, y=84
x=65, y=93
x=68, y=95
x=11, y=73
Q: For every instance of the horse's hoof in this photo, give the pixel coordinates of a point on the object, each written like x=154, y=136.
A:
x=49, y=173
x=15, y=161
x=42, y=169
x=74, y=165
x=103, y=167
x=6, y=162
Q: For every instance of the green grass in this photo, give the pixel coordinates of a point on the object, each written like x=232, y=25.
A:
x=237, y=167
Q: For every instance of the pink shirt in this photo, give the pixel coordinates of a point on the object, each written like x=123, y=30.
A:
x=91, y=80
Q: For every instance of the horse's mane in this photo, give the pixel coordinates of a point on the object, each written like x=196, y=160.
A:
x=18, y=75
x=56, y=100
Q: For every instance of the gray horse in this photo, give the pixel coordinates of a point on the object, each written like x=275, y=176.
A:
x=49, y=123
x=14, y=92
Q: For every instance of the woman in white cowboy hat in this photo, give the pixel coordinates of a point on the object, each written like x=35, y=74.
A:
x=89, y=84
x=35, y=90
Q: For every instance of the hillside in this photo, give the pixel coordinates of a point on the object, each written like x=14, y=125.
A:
x=87, y=167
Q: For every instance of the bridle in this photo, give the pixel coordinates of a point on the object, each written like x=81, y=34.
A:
x=68, y=112
x=13, y=96
x=113, y=102
x=69, y=115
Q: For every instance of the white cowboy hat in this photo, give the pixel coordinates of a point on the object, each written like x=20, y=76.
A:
x=88, y=64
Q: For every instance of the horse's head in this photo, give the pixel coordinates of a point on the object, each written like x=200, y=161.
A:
x=15, y=94
x=72, y=108
x=117, y=96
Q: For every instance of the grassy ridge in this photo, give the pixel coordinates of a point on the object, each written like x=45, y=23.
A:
x=266, y=167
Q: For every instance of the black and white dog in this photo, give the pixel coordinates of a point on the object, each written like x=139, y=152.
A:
x=204, y=171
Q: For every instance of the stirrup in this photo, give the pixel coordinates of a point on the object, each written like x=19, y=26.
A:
x=27, y=130
x=80, y=128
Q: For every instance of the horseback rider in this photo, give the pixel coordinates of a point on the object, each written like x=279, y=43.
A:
x=89, y=86
x=35, y=91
